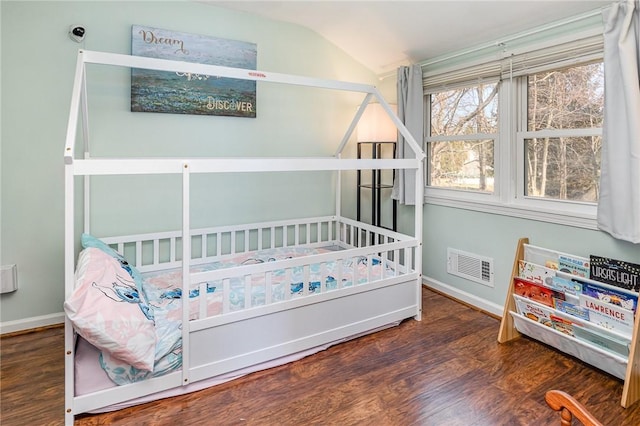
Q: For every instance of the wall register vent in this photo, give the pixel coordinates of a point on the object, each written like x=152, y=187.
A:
x=471, y=266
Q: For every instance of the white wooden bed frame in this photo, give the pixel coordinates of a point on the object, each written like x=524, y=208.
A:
x=361, y=308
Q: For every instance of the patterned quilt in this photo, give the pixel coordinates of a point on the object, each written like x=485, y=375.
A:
x=164, y=293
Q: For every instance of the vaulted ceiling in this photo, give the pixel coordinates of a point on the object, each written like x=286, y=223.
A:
x=383, y=35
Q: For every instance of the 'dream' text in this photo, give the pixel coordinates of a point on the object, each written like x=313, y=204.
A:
x=150, y=38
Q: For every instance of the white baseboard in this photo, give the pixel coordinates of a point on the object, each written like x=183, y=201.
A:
x=463, y=296
x=31, y=323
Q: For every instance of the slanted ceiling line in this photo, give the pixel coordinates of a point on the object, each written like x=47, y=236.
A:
x=504, y=41
x=514, y=37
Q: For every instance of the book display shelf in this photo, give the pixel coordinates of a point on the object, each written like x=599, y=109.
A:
x=554, y=298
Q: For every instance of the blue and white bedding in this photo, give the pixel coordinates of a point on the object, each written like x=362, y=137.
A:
x=163, y=293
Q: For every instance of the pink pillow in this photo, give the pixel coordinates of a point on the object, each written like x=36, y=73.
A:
x=105, y=308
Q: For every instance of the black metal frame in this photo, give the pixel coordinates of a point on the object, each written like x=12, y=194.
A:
x=376, y=186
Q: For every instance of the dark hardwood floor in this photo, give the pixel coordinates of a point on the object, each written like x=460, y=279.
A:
x=447, y=369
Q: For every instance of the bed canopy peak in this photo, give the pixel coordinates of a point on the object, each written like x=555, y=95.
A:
x=79, y=107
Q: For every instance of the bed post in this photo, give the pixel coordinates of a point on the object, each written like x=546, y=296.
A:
x=69, y=257
x=418, y=232
x=84, y=105
x=186, y=277
x=69, y=235
x=339, y=191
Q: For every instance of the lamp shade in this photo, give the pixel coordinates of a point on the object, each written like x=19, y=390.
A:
x=376, y=126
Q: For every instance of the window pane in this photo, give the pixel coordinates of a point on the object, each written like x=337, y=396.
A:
x=465, y=111
x=466, y=163
x=571, y=98
x=563, y=168
x=462, y=165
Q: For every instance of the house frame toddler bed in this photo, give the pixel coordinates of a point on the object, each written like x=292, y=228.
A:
x=310, y=282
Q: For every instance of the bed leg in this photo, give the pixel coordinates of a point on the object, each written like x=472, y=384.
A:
x=69, y=417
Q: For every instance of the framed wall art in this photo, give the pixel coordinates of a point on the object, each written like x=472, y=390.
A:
x=185, y=93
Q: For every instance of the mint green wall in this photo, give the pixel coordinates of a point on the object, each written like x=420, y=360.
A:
x=496, y=236
x=37, y=72
x=38, y=62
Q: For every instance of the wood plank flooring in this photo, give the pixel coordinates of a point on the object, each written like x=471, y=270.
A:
x=447, y=369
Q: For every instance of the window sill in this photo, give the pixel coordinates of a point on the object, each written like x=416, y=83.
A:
x=559, y=217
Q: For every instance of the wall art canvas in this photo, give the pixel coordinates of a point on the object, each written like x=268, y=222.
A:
x=184, y=93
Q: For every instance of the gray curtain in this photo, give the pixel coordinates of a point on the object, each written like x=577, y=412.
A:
x=619, y=200
x=411, y=113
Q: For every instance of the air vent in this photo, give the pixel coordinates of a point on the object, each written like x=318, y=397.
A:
x=471, y=266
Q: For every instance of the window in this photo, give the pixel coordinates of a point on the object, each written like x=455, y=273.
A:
x=563, y=138
x=463, y=130
x=520, y=135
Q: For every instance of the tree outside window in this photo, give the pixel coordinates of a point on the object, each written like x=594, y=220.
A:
x=563, y=138
x=462, y=135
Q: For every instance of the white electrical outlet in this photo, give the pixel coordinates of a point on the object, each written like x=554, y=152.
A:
x=8, y=278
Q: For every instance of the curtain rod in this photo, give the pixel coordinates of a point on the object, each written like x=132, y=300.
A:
x=506, y=40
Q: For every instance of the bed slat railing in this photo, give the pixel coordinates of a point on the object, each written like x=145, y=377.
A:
x=203, y=300
x=268, y=288
x=288, y=279
x=155, y=251
x=226, y=302
x=383, y=262
x=247, y=291
x=323, y=277
x=369, y=248
x=232, y=238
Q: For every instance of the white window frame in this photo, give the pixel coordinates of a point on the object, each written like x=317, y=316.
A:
x=451, y=195
x=509, y=197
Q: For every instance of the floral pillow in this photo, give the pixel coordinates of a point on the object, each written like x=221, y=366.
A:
x=106, y=309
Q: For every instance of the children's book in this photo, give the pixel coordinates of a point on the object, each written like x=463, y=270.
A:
x=536, y=292
x=535, y=273
x=533, y=310
x=572, y=309
x=615, y=272
x=562, y=325
x=605, y=340
x=566, y=286
x=609, y=295
x=573, y=265
x=607, y=315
